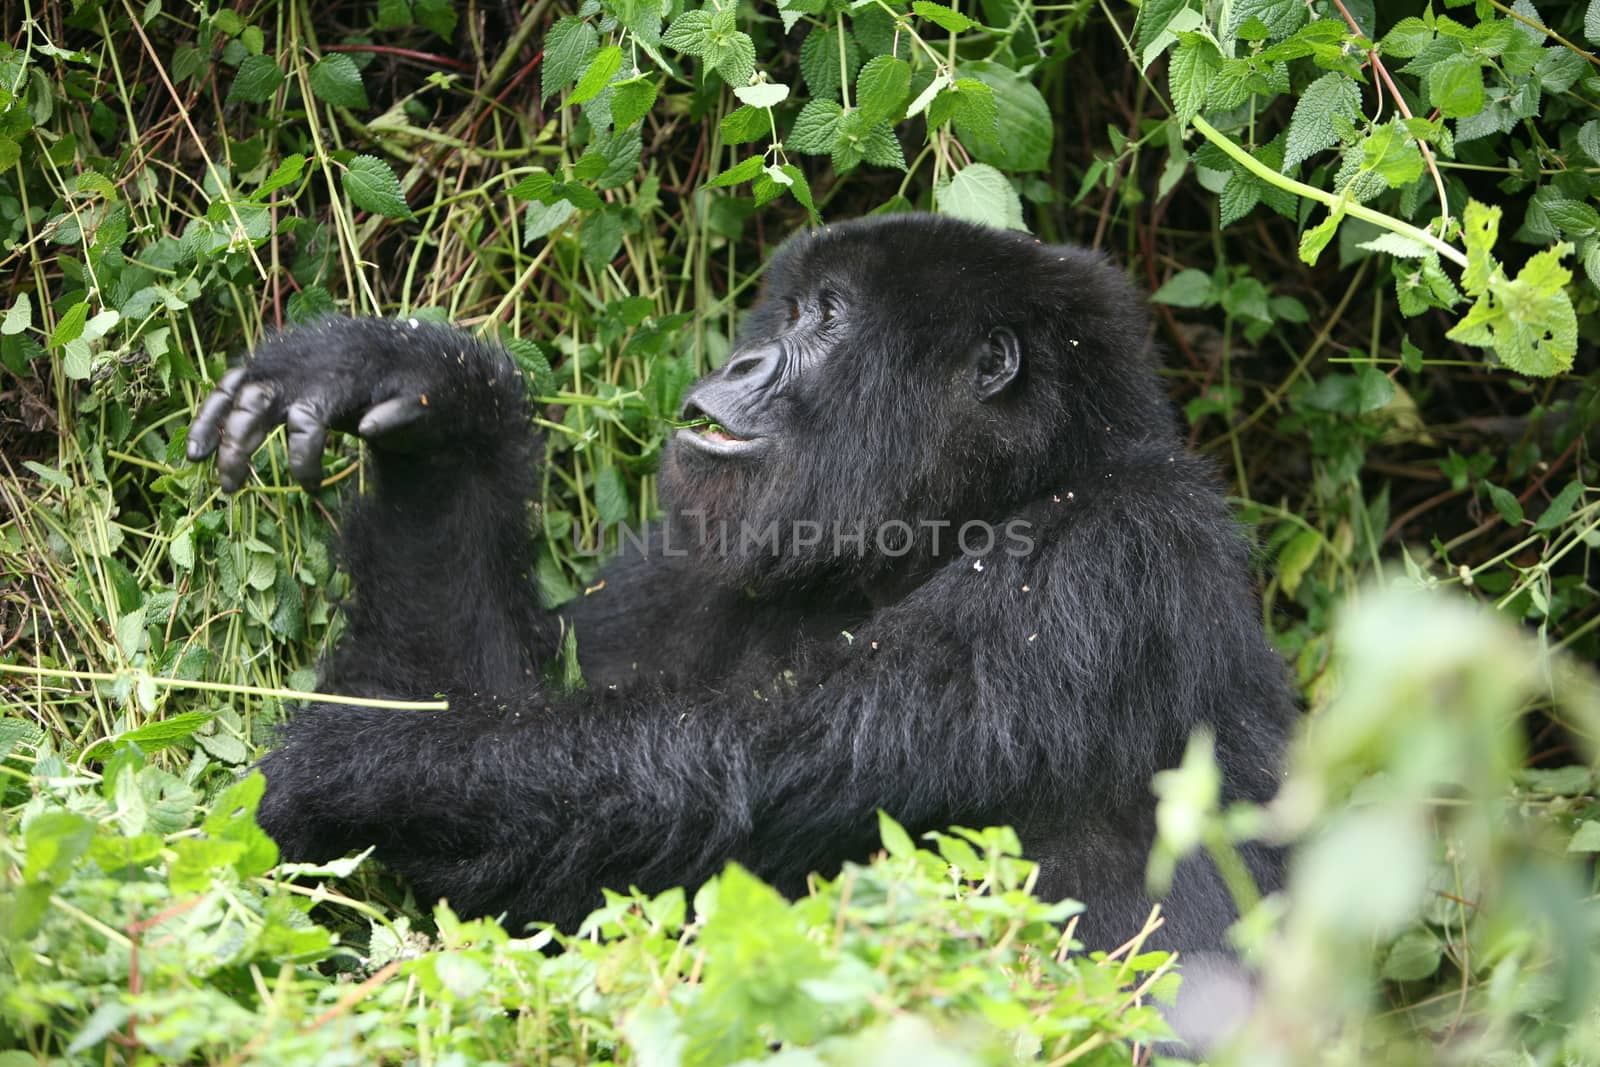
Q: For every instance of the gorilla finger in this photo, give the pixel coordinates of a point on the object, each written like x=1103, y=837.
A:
x=392, y=415
x=205, y=434
x=307, y=433
x=247, y=425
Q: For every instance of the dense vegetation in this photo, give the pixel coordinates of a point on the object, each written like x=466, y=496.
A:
x=1371, y=235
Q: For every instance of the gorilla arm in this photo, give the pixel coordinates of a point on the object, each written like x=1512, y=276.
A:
x=439, y=551
x=1046, y=687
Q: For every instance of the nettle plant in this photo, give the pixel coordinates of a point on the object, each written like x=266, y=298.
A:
x=867, y=70
x=1404, y=132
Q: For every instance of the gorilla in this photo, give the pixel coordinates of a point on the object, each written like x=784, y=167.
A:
x=931, y=545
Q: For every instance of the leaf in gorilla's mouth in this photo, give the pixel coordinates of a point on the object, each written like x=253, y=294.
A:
x=713, y=432
x=703, y=428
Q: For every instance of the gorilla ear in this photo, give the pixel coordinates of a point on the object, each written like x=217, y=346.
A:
x=997, y=363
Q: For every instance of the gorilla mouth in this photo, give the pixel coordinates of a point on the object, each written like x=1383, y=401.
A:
x=709, y=434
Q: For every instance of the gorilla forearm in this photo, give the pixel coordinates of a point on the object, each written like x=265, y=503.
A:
x=439, y=549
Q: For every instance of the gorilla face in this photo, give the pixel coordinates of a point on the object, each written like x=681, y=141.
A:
x=897, y=373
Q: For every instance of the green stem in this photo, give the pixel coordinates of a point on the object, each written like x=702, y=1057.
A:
x=224, y=687
x=1322, y=196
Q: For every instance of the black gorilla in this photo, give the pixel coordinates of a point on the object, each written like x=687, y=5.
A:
x=939, y=551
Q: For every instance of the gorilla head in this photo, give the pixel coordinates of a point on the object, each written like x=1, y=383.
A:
x=899, y=373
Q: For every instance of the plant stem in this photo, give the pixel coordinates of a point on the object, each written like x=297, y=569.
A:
x=1322, y=196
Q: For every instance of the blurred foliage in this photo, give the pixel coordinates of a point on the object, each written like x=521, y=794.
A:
x=1371, y=238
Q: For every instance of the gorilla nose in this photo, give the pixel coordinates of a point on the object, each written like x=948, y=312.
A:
x=753, y=368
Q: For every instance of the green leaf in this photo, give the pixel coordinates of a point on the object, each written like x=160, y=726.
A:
x=895, y=839
x=980, y=193
x=335, y=80
x=1480, y=228
x=1455, y=86
x=734, y=57
x=70, y=326
x=882, y=88
x=567, y=48
x=1189, y=288
x=1529, y=322
x=1296, y=558
x=1025, y=132
x=1414, y=956
x=1314, y=240
x=1558, y=510
x=257, y=79
x=602, y=68
x=611, y=496
x=1312, y=127
x=745, y=124
x=154, y=736
x=1407, y=38
x=20, y=315
x=689, y=33
x=942, y=16
x=286, y=173
x=1154, y=17
x=372, y=186
x=600, y=238
x=1190, y=72
x=1505, y=502
x=1280, y=18
x=1591, y=22
x=816, y=128
x=1587, y=837
x=743, y=171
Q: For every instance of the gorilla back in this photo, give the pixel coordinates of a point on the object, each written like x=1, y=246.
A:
x=932, y=546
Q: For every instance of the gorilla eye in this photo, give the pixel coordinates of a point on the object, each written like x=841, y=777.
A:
x=828, y=301
x=794, y=312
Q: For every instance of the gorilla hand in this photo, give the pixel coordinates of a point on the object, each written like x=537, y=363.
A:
x=402, y=386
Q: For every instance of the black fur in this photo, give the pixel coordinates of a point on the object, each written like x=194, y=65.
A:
x=761, y=709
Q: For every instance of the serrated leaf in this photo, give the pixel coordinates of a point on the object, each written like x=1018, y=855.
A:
x=1528, y=321
x=816, y=128
x=942, y=16
x=372, y=186
x=567, y=50
x=882, y=88
x=1314, y=240
x=734, y=57
x=1312, y=127
x=689, y=33
x=257, y=79
x=744, y=125
x=743, y=171
x=286, y=173
x=602, y=67
x=336, y=80
x=1025, y=130
x=980, y=193
x=1455, y=86
x=1589, y=137
x=1189, y=73
x=1591, y=22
